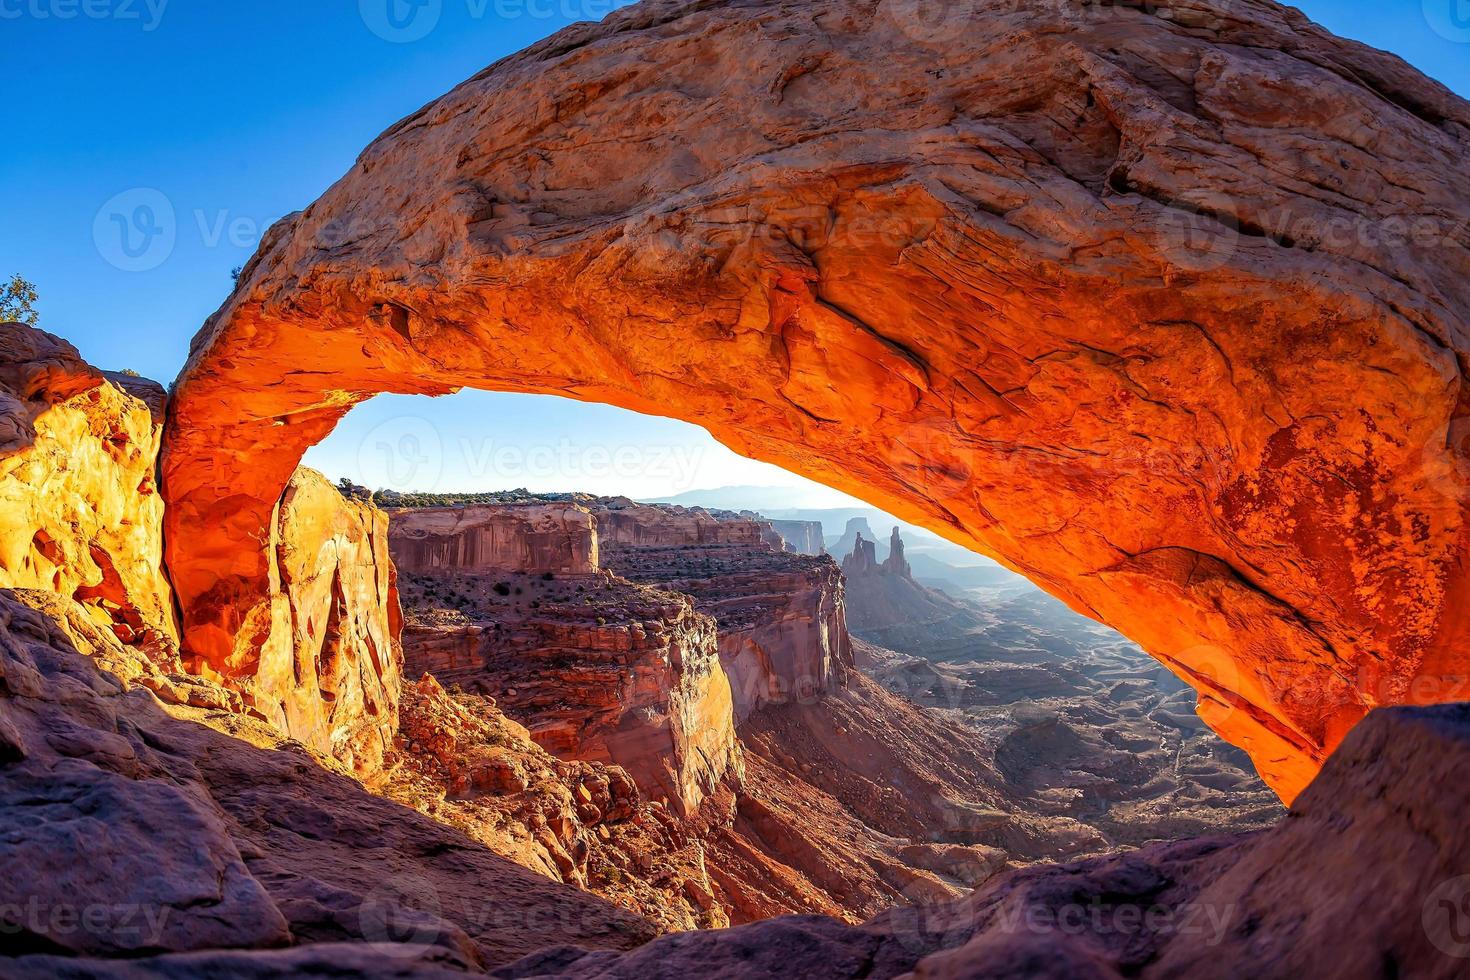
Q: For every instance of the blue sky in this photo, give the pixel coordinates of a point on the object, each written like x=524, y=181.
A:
x=233, y=114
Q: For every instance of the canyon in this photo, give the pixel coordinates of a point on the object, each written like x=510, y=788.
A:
x=1071, y=291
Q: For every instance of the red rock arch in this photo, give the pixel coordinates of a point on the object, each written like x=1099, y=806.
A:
x=1163, y=305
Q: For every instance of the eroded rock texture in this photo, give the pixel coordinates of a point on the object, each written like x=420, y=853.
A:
x=330, y=670
x=83, y=516
x=131, y=829
x=538, y=538
x=84, y=520
x=1166, y=312
x=598, y=668
x=1362, y=847
x=780, y=616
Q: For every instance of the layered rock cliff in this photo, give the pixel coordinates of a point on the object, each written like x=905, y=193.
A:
x=537, y=538
x=599, y=669
x=780, y=616
x=330, y=671
x=1166, y=312
x=622, y=522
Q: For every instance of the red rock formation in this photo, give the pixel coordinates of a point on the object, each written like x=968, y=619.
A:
x=780, y=616
x=329, y=674
x=622, y=522
x=885, y=597
x=1166, y=312
x=536, y=538
x=83, y=517
x=598, y=669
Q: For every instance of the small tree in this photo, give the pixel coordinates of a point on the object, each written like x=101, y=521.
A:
x=18, y=302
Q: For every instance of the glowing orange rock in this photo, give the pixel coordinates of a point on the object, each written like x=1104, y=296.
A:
x=82, y=515
x=1167, y=313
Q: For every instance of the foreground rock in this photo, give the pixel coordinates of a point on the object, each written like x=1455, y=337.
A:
x=1167, y=312
x=84, y=519
x=129, y=828
x=1376, y=842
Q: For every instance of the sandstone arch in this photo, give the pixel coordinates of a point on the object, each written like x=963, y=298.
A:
x=1163, y=304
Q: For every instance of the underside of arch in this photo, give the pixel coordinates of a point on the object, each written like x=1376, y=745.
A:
x=1166, y=312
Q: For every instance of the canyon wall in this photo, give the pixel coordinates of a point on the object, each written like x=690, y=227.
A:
x=537, y=538
x=1166, y=313
x=803, y=537
x=622, y=522
x=509, y=600
x=781, y=617
x=84, y=520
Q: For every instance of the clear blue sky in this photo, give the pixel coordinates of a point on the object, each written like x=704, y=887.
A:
x=236, y=113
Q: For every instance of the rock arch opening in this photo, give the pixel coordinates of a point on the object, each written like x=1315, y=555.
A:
x=1078, y=311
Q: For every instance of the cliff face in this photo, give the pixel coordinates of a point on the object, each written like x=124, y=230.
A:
x=803, y=537
x=1166, y=312
x=598, y=669
x=585, y=823
x=83, y=516
x=622, y=522
x=781, y=616
x=545, y=538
